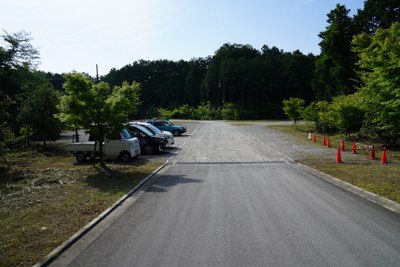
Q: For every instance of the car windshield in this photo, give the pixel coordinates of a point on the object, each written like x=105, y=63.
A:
x=152, y=127
x=147, y=128
x=170, y=123
x=144, y=130
x=126, y=134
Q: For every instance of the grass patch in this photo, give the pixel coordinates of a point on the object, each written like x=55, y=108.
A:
x=371, y=175
x=46, y=197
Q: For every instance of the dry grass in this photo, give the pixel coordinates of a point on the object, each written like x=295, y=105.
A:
x=380, y=178
x=46, y=197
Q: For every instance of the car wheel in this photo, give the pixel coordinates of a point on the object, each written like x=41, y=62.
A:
x=80, y=157
x=175, y=132
x=125, y=156
x=148, y=150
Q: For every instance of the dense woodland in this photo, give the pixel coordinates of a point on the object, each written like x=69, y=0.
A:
x=253, y=82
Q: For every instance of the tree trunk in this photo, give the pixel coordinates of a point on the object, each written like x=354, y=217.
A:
x=223, y=92
x=77, y=135
x=28, y=136
x=101, y=152
x=94, y=153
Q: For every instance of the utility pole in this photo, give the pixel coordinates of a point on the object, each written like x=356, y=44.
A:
x=97, y=74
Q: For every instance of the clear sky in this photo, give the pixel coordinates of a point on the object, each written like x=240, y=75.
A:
x=78, y=34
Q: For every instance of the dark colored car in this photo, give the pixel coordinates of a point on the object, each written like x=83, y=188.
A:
x=149, y=143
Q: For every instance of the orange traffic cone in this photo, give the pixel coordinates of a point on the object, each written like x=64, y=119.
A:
x=324, y=142
x=354, y=150
x=384, y=160
x=314, y=140
x=372, y=153
x=309, y=135
x=338, y=157
x=329, y=142
x=342, y=148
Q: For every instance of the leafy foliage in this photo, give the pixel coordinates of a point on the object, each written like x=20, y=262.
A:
x=5, y=133
x=377, y=14
x=39, y=113
x=293, y=108
x=92, y=107
x=380, y=72
x=345, y=113
x=334, y=68
x=254, y=81
x=228, y=111
x=165, y=114
x=18, y=61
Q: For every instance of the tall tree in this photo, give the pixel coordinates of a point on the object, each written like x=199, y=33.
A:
x=18, y=61
x=5, y=133
x=92, y=107
x=334, y=73
x=39, y=111
x=377, y=14
x=380, y=72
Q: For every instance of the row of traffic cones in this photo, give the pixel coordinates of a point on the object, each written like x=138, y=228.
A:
x=353, y=151
x=383, y=160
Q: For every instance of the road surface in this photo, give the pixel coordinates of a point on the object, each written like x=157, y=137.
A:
x=230, y=198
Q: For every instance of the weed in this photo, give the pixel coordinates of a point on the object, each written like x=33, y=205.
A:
x=46, y=197
x=371, y=175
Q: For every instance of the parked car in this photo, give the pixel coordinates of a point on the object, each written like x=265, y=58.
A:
x=125, y=148
x=157, y=131
x=149, y=143
x=168, y=126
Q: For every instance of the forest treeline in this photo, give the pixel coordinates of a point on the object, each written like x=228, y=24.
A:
x=255, y=81
x=250, y=83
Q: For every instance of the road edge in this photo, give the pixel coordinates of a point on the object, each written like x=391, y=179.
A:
x=377, y=199
x=49, y=258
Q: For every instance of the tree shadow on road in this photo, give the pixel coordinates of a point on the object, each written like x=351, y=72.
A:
x=167, y=181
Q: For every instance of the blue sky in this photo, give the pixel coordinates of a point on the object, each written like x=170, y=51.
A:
x=78, y=34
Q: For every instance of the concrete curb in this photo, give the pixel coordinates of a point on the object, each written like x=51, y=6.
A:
x=73, y=239
x=377, y=199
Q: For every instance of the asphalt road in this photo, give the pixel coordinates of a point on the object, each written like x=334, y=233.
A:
x=228, y=199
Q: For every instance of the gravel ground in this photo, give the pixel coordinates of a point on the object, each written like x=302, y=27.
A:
x=290, y=146
x=287, y=145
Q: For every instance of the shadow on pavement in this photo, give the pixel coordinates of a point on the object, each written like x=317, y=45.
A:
x=168, y=181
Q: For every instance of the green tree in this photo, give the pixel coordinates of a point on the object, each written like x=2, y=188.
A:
x=42, y=105
x=377, y=14
x=18, y=61
x=92, y=107
x=380, y=72
x=334, y=73
x=5, y=133
x=183, y=111
x=310, y=113
x=293, y=108
x=165, y=114
x=203, y=112
x=228, y=111
x=323, y=122
x=345, y=113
